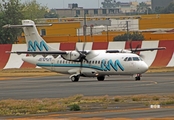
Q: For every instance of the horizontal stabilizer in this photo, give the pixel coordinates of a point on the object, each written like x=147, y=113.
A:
x=21, y=26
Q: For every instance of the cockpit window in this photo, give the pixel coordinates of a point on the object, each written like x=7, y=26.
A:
x=125, y=59
x=136, y=59
x=129, y=59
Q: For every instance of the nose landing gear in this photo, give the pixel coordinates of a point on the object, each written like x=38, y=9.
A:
x=138, y=77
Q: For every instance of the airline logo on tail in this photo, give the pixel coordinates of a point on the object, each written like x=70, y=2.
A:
x=37, y=46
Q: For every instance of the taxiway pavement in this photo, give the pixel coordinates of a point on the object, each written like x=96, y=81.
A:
x=61, y=86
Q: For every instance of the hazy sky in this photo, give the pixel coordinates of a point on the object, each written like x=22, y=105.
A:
x=81, y=3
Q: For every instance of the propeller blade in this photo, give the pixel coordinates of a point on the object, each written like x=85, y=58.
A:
x=81, y=65
x=130, y=45
x=83, y=48
x=136, y=48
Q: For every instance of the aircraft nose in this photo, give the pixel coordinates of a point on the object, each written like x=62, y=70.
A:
x=145, y=67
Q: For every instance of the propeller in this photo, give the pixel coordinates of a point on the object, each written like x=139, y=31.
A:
x=82, y=56
x=82, y=53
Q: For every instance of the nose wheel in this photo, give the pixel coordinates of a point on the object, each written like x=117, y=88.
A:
x=138, y=77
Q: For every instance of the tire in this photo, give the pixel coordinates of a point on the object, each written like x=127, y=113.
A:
x=138, y=78
x=101, y=78
x=75, y=78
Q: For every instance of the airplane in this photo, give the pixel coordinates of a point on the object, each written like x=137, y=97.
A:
x=80, y=63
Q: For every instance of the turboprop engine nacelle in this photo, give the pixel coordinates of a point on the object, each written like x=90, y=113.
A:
x=71, y=56
x=125, y=51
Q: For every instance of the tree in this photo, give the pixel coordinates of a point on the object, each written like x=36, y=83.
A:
x=159, y=10
x=143, y=8
x=108, y=4
x=51, y=14
x=168, y=9
x=33, y=10
x=135, y=36
x=13, y=12
x=10, y=13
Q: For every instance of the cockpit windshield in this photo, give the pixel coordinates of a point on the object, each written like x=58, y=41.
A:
x=132, y=59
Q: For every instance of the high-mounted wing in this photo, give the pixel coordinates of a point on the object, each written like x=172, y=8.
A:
x=134, y=50
x=43, y=53
x=148, y=49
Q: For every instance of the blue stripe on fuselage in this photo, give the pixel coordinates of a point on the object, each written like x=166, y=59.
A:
x=68, y=65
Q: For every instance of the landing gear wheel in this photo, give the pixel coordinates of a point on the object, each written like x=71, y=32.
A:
x=137, y=78
x=75, y=78
x=101, y=78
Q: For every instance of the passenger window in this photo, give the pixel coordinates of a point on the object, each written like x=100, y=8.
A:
x=129, y=59
x=98, y=62
x=95, y=62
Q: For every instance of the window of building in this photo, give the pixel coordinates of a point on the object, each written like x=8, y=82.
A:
x=86, y=11
x=111, y=11
x=77, y=12
x=95, y=11
x=103, y=11
x=42, y=32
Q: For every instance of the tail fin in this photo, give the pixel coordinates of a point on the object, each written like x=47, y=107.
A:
x=33, y=40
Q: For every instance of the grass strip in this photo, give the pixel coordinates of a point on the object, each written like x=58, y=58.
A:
x=79, y=103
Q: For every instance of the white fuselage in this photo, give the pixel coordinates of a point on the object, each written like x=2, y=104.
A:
x=101, y=64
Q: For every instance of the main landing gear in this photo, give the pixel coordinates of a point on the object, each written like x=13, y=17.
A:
x=138, y=77
x=101, y=78
x=75, y=78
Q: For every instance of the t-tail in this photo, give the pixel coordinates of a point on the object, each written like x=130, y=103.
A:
x=33, y=40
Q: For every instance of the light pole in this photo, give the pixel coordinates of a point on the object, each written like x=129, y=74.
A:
x=127, y=26
x=84, y=26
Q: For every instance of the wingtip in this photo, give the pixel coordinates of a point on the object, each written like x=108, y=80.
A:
x=163, y=48
x=8, y=52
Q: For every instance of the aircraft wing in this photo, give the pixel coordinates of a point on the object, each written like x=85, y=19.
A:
x=39, y=52
x=134, y=50
x=43, y=53
x=147, y=49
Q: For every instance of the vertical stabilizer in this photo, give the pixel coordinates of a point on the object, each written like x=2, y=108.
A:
x=33, y=40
